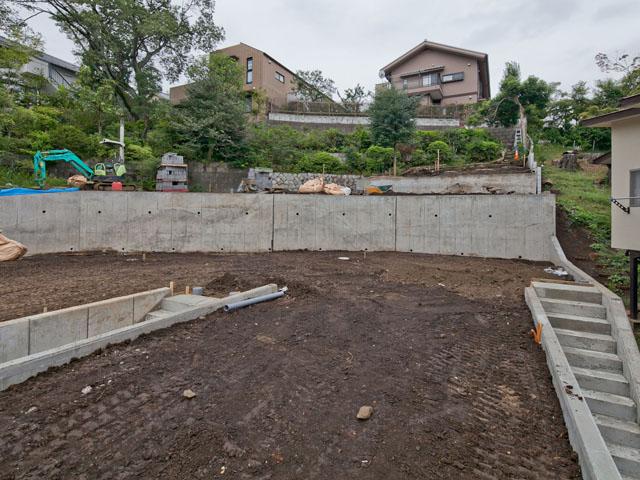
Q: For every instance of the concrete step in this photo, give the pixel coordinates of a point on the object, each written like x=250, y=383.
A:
x=602, y=381
x=616, y=406
x=583, y=309
x=627, y=459
x=579, y=357
x=579, y=323
x=586, y=340
x=158, y=314
x=619, y=432
x=173, y=305
x=561, y=291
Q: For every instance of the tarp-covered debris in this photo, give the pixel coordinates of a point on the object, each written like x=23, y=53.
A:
x=335, y=189
x=10, y=249
x=31, y=191
x=77, y=181
x=315, y=185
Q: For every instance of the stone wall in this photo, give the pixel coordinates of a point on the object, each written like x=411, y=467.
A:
x=215, y=177
x=291, y=182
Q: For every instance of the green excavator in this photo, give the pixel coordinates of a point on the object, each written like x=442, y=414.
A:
x=101, y=177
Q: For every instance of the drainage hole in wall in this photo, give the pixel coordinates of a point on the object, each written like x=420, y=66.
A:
x=173, y=249
x=149, y=212
x=490, y=216
x=297, y=214
x=319, y=249
x=461, y=253
x=246, y=213
x=71, y=249
x=99, y=211
x=343, y=214
x=411, y=249
x=123, y=249
x=519, y=256
x=436, y=215
x=389, y=214
x=44, y=211
x=198, y=213
x=222, y=249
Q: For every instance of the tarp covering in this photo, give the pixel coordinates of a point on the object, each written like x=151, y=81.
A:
x=9, y=192
x=10, y=249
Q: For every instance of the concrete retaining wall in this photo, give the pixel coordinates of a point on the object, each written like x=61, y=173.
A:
x=38, y=333
x=522, y=183
x=504, y=226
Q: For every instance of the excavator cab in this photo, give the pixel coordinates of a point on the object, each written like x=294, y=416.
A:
x=100, y=170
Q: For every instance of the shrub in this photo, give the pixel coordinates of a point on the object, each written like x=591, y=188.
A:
x=426, y=137
x=420, y=157
x=316, y=162
x=360, y=139
x=378, y=158
x=459, y=138
x=446, y=154
x=276, y=147
x=483, y=151
x=74, y=139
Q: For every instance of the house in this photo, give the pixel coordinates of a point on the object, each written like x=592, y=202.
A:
x=625, y=183
x=262, y=73
x=57, y=72
x=440, y=74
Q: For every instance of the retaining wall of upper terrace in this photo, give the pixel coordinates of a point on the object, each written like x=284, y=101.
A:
x=500, y=226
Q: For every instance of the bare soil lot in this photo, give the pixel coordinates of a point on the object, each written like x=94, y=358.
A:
x=437, y=345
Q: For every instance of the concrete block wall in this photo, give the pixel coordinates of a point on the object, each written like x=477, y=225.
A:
x=502, y=226
x=38, y=333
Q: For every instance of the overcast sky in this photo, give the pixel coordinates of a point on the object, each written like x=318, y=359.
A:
x=350, y=40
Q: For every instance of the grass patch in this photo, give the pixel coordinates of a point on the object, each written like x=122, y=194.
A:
x=20, y=177
x=585, y=197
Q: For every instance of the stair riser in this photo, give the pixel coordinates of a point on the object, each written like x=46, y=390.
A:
x=579, y=325
x=601, y=385
x=596, y=345
x=583, y=361
x=619, y=437
x=623, y=412
x=572, y=295
x=585, y=310
x=627, y=466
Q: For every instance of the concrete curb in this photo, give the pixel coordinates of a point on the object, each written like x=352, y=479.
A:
x=585, y=437
x=18, y=370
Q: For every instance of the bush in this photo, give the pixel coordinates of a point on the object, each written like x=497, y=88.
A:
x=424, y=138
x=275, y=147
x=459, y=138
x=446, y=154
x=74, y=139
x=316, y=162
x=483, y=151
x=420, y=157
x=360, y=139
x=378, y=158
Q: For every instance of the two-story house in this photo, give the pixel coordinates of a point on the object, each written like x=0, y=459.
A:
x=262, y=73
x=440, y=74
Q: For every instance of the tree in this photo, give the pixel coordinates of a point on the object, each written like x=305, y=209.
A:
x=134, y=44
x=392, y=115
x=313, y=86
x=210, y=123
x=353, y=99
x=533, y=95
x=623, y=63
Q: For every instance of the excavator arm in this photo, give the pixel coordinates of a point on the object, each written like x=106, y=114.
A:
x=40, y=160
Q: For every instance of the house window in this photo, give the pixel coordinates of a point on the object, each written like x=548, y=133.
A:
x=430, y=79
x=635, y=188
x=453, y=77
x=405, y=84
x=280, y=77
x=250, y=70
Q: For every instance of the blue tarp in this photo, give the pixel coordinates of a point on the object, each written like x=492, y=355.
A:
x=9, y=192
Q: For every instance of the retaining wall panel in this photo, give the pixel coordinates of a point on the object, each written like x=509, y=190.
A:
x=8, y=215
x=142, y=224
x=186, y=222
x=54, y=329
x=110, y=315
x=14, y=339
x=237, y=223
x=418, y=224
x=103, y=221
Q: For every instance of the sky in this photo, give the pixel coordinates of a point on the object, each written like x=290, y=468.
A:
x=351, y=40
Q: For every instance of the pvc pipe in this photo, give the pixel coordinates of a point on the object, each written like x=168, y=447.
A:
x=251, y=301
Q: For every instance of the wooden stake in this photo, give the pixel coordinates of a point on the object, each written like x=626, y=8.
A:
x=144, y=257
x=171, y=286
x=44, y=310
x=186, y=290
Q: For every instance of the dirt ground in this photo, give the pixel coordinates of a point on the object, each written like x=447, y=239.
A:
x=437, y=345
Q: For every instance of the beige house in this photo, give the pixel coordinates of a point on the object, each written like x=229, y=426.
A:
x=625, y=181
x=262, y=73
x=440, y=74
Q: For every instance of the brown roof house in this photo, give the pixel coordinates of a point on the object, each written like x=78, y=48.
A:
x=262, y=73
x=440, y=74
x=625, y=182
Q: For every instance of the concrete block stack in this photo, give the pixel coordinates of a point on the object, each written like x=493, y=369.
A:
x=172, y=175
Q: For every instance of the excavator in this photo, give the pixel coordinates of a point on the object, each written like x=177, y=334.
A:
x=101, y=177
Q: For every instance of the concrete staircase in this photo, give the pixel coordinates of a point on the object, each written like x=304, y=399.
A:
x=579, y=320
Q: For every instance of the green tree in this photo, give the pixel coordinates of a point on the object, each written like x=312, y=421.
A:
x=392, y=116
x=134, y=44
x=313, y=86
x=354, y=99
x=210, y=123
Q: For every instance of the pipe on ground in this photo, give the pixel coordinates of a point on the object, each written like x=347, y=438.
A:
x=252, y=301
